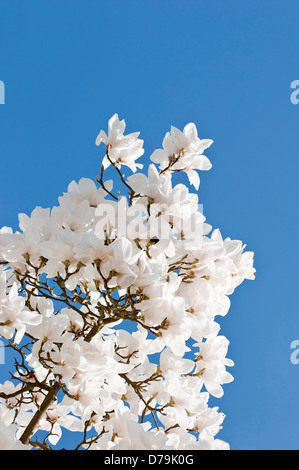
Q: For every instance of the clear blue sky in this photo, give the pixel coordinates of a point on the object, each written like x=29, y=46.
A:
x=68, y=65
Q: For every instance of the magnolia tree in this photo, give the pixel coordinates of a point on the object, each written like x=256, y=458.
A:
x=108, y=302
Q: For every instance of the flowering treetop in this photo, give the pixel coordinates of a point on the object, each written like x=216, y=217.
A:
x=109, y=302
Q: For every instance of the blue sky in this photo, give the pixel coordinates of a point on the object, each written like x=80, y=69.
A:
x=69, y=65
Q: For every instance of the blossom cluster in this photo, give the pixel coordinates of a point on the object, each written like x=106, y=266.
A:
x=114, y=331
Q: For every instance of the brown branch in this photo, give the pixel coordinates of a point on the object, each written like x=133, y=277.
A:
x=50, y=398
x=31, y=428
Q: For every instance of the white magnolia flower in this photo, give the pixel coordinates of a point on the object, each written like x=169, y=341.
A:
x=207, y=442
x=7, y=405
x=119, y=263
x=173, y=366
x=8, y=440
x=111, y=305
x=122, y=149
x=155, y=186
x=140, y=439
x=14, y=316
x=56, y=417
x=183, y=151
x=212, y=362
x=50, y=330
x=86, y=190
x=22, y=246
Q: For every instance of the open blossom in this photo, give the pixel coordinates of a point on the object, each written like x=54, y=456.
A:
x=211, y=364
x=183, y=151
x=8, y=440
x=138, y=438
x=58, y=417
x=170, y=206
x=14, y=316
x=7, y=406
x=123, y=149
x=110, y=305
